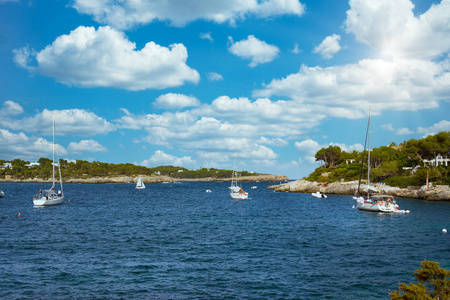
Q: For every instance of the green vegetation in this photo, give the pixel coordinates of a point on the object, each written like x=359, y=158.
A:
x=436, y=284
x=84, y=169
x=412, y=163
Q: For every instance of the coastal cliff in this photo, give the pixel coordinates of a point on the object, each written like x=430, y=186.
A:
x=152, y=179
x=433, y=193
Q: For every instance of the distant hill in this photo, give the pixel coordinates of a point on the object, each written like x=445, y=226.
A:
x=85, y=171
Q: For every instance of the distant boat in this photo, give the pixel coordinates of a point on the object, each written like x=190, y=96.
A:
x=237, y=192
x=140, y=184
x=376, y=203
x=208, y=191
x=50, y=197
x=254, y=187
x=319, y=195
x=2, y=194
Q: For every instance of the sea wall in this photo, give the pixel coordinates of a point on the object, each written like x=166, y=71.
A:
x=433, y=193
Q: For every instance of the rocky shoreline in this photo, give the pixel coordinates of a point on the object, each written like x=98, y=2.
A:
x=433, y=193
x=153, y=179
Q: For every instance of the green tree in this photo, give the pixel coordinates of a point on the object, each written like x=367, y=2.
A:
x=434, y=283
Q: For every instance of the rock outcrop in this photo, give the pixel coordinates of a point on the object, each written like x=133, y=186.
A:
x=433, y=193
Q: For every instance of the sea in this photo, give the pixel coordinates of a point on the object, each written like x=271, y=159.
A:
x=177, y=241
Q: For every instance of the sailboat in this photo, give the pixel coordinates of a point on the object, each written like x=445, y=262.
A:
x=375, y=203
x=140, y=184
x=50, y=197
x=236, y=192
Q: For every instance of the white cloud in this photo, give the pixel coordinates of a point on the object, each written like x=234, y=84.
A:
x=22, y=57
x=329, y=46
x=176, y=101
x=443, y=125
x=392, y=28
x=272, y=141
x=14, y=145
x=404, y=131
x=159, y=158
x=10, y=109
x=68, y=122
x=106, y=58
x=86, y=146
x=388, y=127
x=309, y=147
x=296, y=49
x=214, y=76
x=128, y=13
x=347, y=91
x=257, y=51
x=206, y=36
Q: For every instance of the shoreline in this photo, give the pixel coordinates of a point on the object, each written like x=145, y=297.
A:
x=433, y=193
x=152, y=179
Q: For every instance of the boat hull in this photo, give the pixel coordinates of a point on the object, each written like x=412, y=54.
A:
x=376, y=206
x=46, y=202
x=239, y=196
x=318, y=195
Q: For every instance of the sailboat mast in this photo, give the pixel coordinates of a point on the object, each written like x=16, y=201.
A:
x=368, y=161
x=53, y=164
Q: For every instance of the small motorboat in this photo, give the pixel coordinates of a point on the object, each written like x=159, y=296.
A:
x=319, y=195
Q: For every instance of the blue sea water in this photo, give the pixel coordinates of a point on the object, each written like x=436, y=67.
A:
x=175, y=241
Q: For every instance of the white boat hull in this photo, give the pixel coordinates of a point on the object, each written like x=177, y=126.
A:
x=378, y=206
x=318, y=195
x=48, y=201
x=239, y=196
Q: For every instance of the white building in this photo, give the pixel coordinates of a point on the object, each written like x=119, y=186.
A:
x=6, y=166
x=440, y=160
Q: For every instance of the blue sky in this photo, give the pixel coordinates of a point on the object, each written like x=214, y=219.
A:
x=186, y=83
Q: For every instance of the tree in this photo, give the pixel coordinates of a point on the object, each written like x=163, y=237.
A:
x=330, y=155
x=436, y=284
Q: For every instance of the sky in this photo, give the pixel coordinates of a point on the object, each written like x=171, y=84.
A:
x=191, y=83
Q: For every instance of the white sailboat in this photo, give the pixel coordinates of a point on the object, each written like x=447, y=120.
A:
x=50, y=197
x=376, y=203
x=236, y=192
x=140, y=184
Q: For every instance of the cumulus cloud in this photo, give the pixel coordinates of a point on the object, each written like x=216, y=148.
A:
x=176, y=101
x=393, y=29
x=259, y=52
x=86, y=146
x=128, y=13
x=106, y=58
x=68, y=122
x=216, y=125
x=443, y=125
x=13, y=145
x=10, y=108
x=329, y=46
x=214, y=76
x=347, y=90
x=159, y=158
